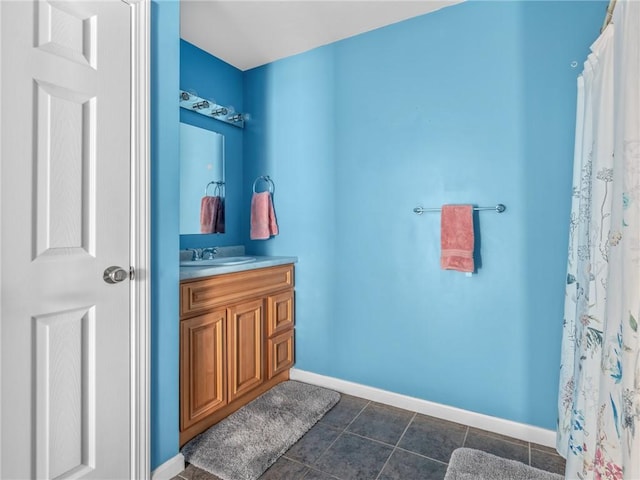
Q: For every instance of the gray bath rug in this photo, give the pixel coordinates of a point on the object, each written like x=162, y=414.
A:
x=247, y=442
x=470, y=464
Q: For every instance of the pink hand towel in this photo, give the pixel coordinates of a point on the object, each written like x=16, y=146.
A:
x=208, y=210
x=263, y=217
x=456, y=238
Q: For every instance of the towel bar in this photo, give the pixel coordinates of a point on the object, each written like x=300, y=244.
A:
x=499, y=208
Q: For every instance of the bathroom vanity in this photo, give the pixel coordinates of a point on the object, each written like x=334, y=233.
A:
x=236, y=337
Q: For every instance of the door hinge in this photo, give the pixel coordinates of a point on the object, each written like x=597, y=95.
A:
x=132, y=273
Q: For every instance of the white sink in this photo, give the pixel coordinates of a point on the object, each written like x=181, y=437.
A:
x=217, y=262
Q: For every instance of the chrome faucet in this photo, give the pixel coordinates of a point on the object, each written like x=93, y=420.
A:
x=196, y=253
x=209, y=253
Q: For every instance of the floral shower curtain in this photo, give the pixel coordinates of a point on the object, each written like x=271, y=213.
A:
x=599, y=400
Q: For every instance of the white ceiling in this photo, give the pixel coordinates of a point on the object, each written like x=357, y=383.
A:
x=250, y=33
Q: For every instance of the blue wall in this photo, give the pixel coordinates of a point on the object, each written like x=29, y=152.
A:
x=216, y=80
x=291, y=138
x=455, y=106
x=164, y=116
x=471, y=104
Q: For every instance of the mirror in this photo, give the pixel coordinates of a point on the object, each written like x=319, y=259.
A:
x=201, y=162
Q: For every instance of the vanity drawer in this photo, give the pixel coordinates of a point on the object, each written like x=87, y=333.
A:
x=279, y=353
x=221, y=290
x=280, y=312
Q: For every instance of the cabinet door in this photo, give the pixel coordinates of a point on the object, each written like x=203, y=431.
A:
x=245, y=347
x=202, y=359
x=280, y=353
x=279, y=312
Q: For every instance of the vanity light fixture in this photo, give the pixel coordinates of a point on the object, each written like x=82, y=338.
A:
x=210, y=108
x=201, y=105
x=219, y=111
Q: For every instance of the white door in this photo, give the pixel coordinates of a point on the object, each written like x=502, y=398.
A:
x=65, y=199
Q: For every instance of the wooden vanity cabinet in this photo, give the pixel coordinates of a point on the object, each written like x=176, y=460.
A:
x=236, y=342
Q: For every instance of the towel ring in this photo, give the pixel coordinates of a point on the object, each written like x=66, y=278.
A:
x=217, y=188
x=267, y=179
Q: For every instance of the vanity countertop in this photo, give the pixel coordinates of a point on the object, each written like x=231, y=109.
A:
x=190, y=273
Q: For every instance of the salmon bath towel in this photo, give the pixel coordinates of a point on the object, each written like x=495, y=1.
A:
x=263, y=217
x=208, y=211
x=457, y=238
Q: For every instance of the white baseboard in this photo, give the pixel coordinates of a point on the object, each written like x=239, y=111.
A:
x=501, y=426
x=169, y=469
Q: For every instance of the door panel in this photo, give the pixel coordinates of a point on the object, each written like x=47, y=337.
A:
x=67, y=30
x=245, y=347
x=65, y=199
x=65, y=165
x=65, y=394
x=202, y=377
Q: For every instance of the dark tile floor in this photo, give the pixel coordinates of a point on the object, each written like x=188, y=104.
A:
x=363, y=440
